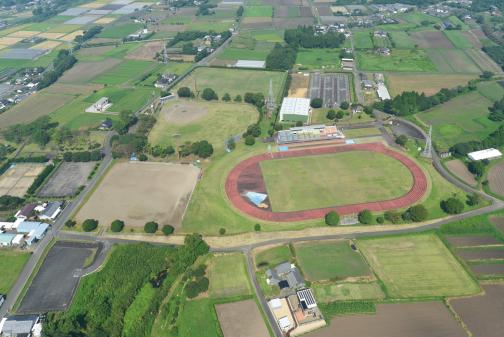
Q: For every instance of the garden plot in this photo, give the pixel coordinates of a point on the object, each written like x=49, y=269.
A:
x=241, y=319
x=67, y=179
x=434, y=39
x=18, y=178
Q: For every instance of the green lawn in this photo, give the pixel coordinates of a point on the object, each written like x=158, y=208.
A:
x=461, y=119
x=228, y=276
x=330, y=292
x=362, y=40
x=124, y=72
x=491, y=90
x=11, y=264
x=399, y=60
x=273, y=256
x=458, y=39
x=258, y=11
x=198, y=318
x=216, y=122
x=402, y=40
x=310, y=182
x=417, y=266
x=318, y=58
x=330, y=260
x=267, y=35
x=118, y=31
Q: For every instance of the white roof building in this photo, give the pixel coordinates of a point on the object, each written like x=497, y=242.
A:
x=485, y=154
x=306, y=298
x=382, y=92
x=294, y=108
x=250, y=64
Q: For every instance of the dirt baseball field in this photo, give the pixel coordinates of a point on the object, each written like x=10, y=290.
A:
x=241, y=319
x=138, y=192
x=67, y=179
x=496, y=178
x=17, y=179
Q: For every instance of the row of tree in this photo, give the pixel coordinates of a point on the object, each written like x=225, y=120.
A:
x=82, y=156
x=63, y=61
x=305, y=36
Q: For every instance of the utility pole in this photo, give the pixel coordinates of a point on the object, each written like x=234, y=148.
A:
x=427, y=152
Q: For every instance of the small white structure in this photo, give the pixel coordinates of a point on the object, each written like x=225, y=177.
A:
x=487, y=154
x=100, y=106
x=250, y=64
x=295, y=109
x=285, y=324
x=382, y=92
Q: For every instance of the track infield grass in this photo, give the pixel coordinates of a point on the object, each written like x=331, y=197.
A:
x=11, y=264
x=228, y=276
x=330, y=260
x=312, y=182
x=417, y=266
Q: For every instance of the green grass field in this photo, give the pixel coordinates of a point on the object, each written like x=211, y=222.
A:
x=456, y=21
x=118, y=31
x=228, y=276
x=417, y=18
x=230, y=53
x=399, y=60
x=318, y=58
x=453, y=61
x=268, y=35
x=417, y=266
x=362, y=40
x=330, y=260
x=458, y=39
x=311, y=182
x=402, y=40
x=258, y=11
x=122, y=99
x=491, y=90
x=273, y=256
x=198, y=318
x=234, y=81
x=125, y=71
x=11, y=264
x=330, y=292
x=461, y=119
x=216, y=122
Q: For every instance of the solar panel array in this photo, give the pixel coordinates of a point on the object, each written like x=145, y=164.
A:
x=306, y=296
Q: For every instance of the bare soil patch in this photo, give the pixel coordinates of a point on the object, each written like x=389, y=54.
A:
x=67, y=179
x=140, y=192
x=147, y=51
x=85, y=71
x=481, y=254
x=468, y=241
x=282, y=23
x=496, y=178
x=184, y=112
x=431, y=40
x=95, y=51
x=483, y=314
x=472, y=37
x=457, y=167
x=299, y=85
x=324, y=10
x=396, y=320
x=241, y=319
x=499, y=223
x=429, y=84
x=488, y=269
x=281, y=12
x=73, y=89
x=18, y=178
x=305, y=12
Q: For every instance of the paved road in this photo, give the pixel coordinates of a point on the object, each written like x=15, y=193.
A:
x=357, y=84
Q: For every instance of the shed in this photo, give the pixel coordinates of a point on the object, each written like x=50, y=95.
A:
x=52, y=210
x=35, y=230
x=26, y=211
x=487, y=154
x=382, y=92
x=20, y=325
x=6, y=239
x=295, y=109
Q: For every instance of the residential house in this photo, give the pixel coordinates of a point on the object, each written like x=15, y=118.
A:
x=21, y=326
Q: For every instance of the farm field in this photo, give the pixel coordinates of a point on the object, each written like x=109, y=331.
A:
x=458, y=39
x=491, y=90
x=452, y=61
x=400, y=60
x=166, y=204
x=330, y=292
x=463, y=118
x=496, y=178
x=311, y=183
x=232, y=323
x=330, y=260
x=459, y=169
x=483, y=61
x=228, y=276
x=84, y=72
x=11, y=264
x=118, y=31
x=18, y=178
x=429, y=84
x=417, y=266
x=363, y=40
x=318, y=59
x=126, y=71
x=258, y=11
x=234, y=81
x=198, y=318
x=188, y=120
x=431, y=39
x=122, y=98
x=402, y=40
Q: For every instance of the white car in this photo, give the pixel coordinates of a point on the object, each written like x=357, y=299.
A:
x=2, y=299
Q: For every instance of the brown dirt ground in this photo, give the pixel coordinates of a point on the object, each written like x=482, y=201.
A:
x=305, y=12
x=483, y=60
x=324, y=10
x=147, y=51
x=73, y=89
x=241, y=319
x=183, y=112
x=488, y=269
x=431, y=40
x=95, y=51
x=483, y=315
x=396, y=320
x=281, y=12
x=499, y=223
x=457, y=168
x=16, y=180
x=84, y=72
x=496, y=178
x=299, y=85
x=472, y=37
x=476, y=240
x=140, y=192
x=481, y=254
x=292, y=22
x=426, y=83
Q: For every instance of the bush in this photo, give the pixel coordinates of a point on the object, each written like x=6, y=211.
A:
x=473, y=199
x=344, y=105
x=340, y=114
x=226, y=97
x=452, y=206
x=194, y=288
x=70, y=223
x=380, y=219
x=116, y=226
x=401, y=140
x=392, y=216
x=365, y=217
x=257, y=227
x=249, y=140
x=151, y=227
x=184, y=92
x=316, y=103
x=332, y=218
x=167, y=229
x=418, y=213
x=209, y=95
x=222, y=231
x=331, y=114
x=89, y=225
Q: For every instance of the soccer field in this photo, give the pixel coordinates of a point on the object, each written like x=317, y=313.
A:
x=311, y=182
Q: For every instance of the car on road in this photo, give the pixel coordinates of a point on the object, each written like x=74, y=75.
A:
x=2, y=300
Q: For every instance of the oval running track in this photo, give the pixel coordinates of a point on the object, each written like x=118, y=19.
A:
x=416, y=192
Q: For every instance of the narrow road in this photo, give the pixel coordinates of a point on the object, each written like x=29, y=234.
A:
x=357, y=84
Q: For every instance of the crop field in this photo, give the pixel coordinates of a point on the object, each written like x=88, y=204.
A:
x=496, y=178
x=463, y=118
x=363, y=40
x=84, y=72
x=11, y=264
x=429, y=84
x=472, y=240
x=330, y=292
x=67, y=179
x=458, y=39
x=185, y=120
x=18, y=178
x=124, y=72
x=453, y=61
x=482, y=314
x=330, y=260
x=417, y=266
x=459, y=169
x=400, y=60
x=311, y=182
x=431, y=39
x=121, y=194
x=327, y=59
x=258, y=11
x=122, y=98
x=228, y=276
x=273, y=256
x=491, y=90
x=198, y=318
x=118, y=31
x=399, y=319
x=231, y=319
x=488, y=270
x=402, y=40
x=234, y=81
x=483, y=60
x=258, y=52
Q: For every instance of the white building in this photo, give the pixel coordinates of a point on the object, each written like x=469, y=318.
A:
x=488, y=154
x=382, y=92
x=295, y=109
x=100, y=106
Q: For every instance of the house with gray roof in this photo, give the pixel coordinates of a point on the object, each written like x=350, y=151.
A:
x=285, y=275
x=21, y=326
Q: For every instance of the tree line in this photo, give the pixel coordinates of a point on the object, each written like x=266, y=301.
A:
x=64, y=61
x=305, y=37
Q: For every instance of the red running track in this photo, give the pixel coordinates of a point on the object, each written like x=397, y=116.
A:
x=241, y=173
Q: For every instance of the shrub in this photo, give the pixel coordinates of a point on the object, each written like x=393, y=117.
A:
x=473, y=199
x=316, y=103
x=222, y=231
x=392, y=216
x=226, y=97
x=331, y=114
x=340, y=114
x=117, y=226
x=380, y=219
x=418, y=213
x=209, y=95
x=70, y=223
x=249, y=140
x=167, y=229
x=401, y=140
x=89, y=225
x=257, y=227
x=452, y=206
x=344, y=105
x=365, y=217
x=238, y=98
x=184, y=92
x=194, y=288
x=151, y=227
x=332, y=218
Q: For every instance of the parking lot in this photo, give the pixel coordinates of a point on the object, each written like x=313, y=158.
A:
x=332, y=88
x=67, y=179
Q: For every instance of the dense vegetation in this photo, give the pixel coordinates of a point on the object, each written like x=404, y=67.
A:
x=495, y=139
x=88, y=34
x=8, y=202
x=305, y=37
x=40, y=178
x=497, y=111
x=344, y=308
x=281, y=58
x=64, y=61
x=496, y=53
x=37, y=131
x=484, y=5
